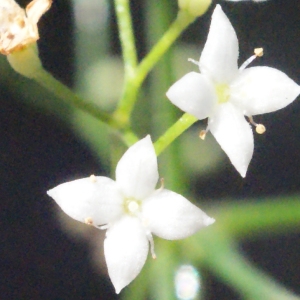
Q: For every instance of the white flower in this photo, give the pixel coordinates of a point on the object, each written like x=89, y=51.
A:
x=132, y=209
x=224, y=93
x=18, y=27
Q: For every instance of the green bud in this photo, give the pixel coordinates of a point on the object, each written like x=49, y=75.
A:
x=195, y=8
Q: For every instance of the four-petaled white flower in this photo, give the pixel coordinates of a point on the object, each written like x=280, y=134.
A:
x=18, y=27
x=131, y=208
x=224, y=93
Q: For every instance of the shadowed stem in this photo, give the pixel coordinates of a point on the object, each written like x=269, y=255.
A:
x=214, y=248
x=46, y=80
x=225, y=261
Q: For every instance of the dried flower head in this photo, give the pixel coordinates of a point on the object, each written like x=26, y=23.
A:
x=18, y=27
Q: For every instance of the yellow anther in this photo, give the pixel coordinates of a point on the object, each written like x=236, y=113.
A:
x=202, y=134
x=89, y=221
x=260, y=128
x=259, y=52
x=93, y=178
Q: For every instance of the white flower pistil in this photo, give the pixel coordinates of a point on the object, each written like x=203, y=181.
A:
x=131, y=206
x=223, y=92
x=223, y=89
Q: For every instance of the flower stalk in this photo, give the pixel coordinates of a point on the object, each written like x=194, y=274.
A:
x=185, y=121
x=133, y=85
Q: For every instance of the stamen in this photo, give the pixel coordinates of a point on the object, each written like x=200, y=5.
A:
x=162, y=184
x=258, y=52
x=202, y=134
x=150, y=239
x=259, y=128
x=93, y=178
x=89, y=221
x=193, y=61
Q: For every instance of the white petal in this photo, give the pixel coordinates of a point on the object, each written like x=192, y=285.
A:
x=261, y=90
x=219, y=56
x=92, y=199
x=136, y=172
x=171, y=216
x=194, y=94
x=125, y=247
x=36, y=8
x=234, y=135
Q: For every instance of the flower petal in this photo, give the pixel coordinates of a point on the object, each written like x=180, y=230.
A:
x=194, y=94
x=234, y=135
x=261, y=90
x=36, y=8
x=136, y=172
x=93, y=200
x=125, y=247
x=220, y=53
x=171, y=216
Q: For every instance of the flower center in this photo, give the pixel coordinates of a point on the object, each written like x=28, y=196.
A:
x=223, y=93
x=131, y=206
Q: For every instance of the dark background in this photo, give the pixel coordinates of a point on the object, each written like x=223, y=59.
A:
x=38, y=260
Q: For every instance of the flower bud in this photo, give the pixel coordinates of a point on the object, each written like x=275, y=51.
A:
x=195, y=8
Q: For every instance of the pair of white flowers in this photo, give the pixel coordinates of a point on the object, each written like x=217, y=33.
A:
x=130, y=208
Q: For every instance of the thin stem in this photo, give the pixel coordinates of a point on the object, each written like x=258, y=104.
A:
x=129, y=138
x=173, y=132
x=126, y=37
x=258, y=217
x=182, y=21
x=131, y=89
x=163, y=112
x=60, y=90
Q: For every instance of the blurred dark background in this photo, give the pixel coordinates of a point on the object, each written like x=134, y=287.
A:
x=38, y=260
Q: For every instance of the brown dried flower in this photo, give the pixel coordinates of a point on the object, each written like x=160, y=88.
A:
x=18, y=26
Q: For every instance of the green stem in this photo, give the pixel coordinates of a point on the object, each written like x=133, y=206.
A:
x=60, y=90
x=257, y=217
x=162, y=111
x=131, y=89
x=129, y=138
x=129, y=53
x=223, y=259
x=126, y=37
x=182, y=21
x=173, y=132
